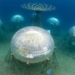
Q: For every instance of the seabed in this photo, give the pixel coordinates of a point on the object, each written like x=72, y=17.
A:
x=66, y=63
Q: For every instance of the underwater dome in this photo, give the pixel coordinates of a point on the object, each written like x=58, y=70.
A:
x=72, y=31
x=32, y=45
x=72, y=35
x=17, y=18
x=1, y=23
x=53, y=21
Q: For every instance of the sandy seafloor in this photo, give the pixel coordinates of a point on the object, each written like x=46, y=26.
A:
x=66, y=64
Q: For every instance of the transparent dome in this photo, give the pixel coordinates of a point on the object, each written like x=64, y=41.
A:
x=72, y=31
x=32, y=44
x=1, y=23
x=72, y=35
x=17, y=18
x=53, y=21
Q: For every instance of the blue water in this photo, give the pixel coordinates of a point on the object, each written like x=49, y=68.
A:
x=65, y=11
